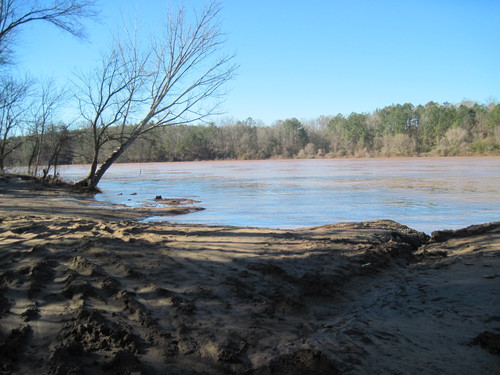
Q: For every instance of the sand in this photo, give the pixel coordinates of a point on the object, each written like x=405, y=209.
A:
x=26, y=197
x=87, y=289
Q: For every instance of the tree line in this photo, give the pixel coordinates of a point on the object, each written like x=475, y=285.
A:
x=396, y=130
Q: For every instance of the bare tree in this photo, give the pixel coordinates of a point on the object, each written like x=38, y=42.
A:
x=106, y=99
x=13, y=107
x=46, y=103
x=64, y=14
x=57, y=140
x=178, y=79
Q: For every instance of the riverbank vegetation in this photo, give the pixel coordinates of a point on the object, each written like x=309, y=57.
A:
x=397, y=130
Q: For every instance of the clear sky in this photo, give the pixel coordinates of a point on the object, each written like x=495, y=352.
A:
x=311, y=58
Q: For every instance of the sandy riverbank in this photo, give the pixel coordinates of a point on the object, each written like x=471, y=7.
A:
x=88, y=290
x=24, y=197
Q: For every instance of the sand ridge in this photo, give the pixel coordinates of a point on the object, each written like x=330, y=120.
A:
x=95, y=297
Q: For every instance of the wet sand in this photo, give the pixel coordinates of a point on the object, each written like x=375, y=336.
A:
x=25, y=197
x=87, y=289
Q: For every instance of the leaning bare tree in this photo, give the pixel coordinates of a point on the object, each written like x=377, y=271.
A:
x=107, y=97
x=177, y=79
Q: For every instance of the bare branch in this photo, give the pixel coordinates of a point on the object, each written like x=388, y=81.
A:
x=66, y=15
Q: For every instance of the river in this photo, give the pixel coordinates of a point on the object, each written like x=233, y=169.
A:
x=426, y=194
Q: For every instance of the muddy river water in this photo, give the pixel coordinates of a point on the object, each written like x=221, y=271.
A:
x=424, y=193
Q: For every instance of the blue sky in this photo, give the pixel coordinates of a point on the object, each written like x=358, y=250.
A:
x=307, y=59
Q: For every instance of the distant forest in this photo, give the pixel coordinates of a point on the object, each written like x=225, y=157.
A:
x=397, y=130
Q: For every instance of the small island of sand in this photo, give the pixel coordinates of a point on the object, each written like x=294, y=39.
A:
x=87, y=289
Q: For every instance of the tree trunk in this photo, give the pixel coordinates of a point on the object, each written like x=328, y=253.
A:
x=91, y=181
x=31, y=162
x=86, y=183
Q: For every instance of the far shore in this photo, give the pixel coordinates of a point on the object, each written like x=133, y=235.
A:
x=87, y=288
